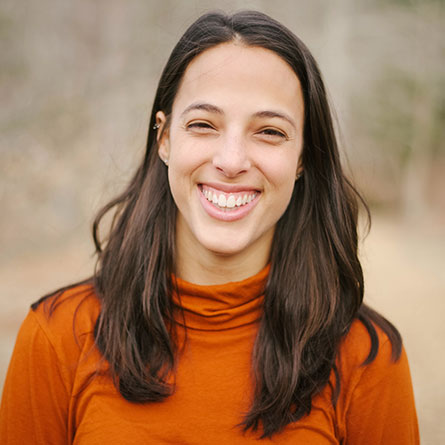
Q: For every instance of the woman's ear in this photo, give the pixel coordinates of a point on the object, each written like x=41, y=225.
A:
x=299, y=169
x=162, y=136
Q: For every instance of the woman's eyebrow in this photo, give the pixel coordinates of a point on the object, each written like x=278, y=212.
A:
x=203, y=106
x=279, y=114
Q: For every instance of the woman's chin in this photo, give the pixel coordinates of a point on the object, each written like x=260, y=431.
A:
x=235, y=244
x=223, y=248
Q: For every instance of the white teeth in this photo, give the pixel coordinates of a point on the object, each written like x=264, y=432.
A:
x=222, y=200
x=231, y=202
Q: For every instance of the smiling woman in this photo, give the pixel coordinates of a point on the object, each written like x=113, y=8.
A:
x=227, y=302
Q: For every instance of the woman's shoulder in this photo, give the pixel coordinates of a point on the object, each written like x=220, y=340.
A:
x=369, y=356
x=365, y=344
x=66, y=318
x=357, y=343
x=376, y=401
x=78, y=304
x=53, y=359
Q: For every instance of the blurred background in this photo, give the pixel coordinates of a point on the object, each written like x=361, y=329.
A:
x=76, y=86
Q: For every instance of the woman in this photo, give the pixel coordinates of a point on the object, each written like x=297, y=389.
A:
x=227, y=302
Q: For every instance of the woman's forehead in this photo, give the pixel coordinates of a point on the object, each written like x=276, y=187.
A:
x=233, y=73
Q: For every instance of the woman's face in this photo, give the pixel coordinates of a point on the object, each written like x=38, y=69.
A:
x=233, y=147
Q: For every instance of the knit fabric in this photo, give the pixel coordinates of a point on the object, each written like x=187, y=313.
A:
x=53, y=394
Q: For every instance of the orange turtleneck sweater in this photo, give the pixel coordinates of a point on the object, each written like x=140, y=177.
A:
x=51, y=397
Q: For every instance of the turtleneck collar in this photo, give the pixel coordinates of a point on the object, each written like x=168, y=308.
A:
x=222, y=306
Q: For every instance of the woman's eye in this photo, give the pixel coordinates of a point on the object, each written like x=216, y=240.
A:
x=273, y=133
x=199, y=126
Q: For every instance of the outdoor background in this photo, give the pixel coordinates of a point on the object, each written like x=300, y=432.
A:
x=77, y=80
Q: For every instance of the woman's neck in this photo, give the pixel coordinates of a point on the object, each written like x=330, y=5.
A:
x=198, y=265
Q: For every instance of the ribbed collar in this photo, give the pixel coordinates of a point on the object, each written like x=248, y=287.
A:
x=222, y=306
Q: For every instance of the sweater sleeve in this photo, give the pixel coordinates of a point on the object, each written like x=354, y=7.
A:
x=34, y=408
x=382, y=409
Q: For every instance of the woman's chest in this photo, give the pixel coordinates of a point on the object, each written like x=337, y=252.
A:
x=213, y=390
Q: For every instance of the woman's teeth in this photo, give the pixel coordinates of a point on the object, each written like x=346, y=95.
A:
x=228, y=200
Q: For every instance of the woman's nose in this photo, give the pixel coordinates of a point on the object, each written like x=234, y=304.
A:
x=231, y=157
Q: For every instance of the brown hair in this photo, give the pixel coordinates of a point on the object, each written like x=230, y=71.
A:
x=315, y=286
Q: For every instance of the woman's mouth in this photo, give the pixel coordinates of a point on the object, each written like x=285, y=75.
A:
x=228, y=206
x=228, y=200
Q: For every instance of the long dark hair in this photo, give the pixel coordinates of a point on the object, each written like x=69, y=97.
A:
x=315, y=286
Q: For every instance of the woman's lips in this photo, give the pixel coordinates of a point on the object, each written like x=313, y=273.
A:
x=228, y=205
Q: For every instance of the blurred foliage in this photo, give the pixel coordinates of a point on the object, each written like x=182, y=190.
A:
x=77, y=80
x=412, y=3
